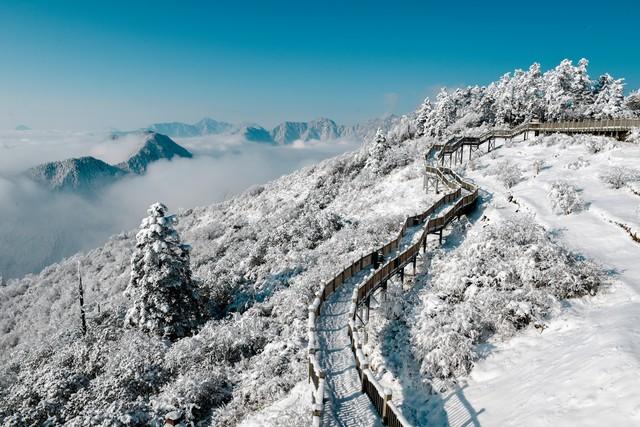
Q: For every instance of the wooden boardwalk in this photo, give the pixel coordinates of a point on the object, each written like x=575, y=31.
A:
x=370, y=274
x=327, y=355
x=453, y=150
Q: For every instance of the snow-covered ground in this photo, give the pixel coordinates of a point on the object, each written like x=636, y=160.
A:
x=584, y=367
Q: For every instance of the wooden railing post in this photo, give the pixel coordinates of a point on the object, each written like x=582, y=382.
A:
x=385, y=407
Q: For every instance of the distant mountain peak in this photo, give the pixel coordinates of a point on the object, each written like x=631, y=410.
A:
x=81, y=174
x=87, y=174
x=156, y=147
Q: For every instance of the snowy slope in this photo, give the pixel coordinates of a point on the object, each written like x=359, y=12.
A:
x=259, y=256
x=584, y=369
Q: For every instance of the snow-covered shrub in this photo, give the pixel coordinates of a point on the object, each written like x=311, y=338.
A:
x=195, y=392
x=634, y=136
x=633, y=102
x=165, y=299
x=392, y=306
x=618, y=176
x=579, y=163
x=565, y=198
x=595, y=145
x=502, y=278
x=507, y=172
x=537, y=166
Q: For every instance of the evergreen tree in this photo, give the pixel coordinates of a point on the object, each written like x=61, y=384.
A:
x=559, y=95
x=376, y=152
x=533, y=105
x=165, y=298
x=582, y=89
x=609, y=98
x=633, y=102
x=443, y=115
x=424, y=114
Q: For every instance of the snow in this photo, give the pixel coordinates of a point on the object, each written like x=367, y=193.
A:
x=346, y=404
x=260, y=257
x=584, y=368
x=292, y=410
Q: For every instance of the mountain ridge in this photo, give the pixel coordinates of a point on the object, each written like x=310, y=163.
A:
x=285, y=133
x=88, y=174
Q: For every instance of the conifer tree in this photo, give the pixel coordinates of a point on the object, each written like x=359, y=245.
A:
x=424, y=113
x=165, y=298
x=609, y=98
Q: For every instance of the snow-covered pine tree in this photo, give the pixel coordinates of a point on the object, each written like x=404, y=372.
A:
x=609, y=101
x=424, y=113
x=504, y=95
x=376, y=152
x=443, y=115
x=533, y=104
x=582, y=89
x=632, y=102
x=165, y=298
x=559, y=93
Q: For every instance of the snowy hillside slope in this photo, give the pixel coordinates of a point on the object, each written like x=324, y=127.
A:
x=583, y=369
x=578, y=366
x=259, y=256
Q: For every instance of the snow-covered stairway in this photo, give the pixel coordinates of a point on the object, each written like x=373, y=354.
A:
x=345, y=404
x=337, y=366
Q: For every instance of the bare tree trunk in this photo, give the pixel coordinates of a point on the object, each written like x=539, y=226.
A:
x=81, y=300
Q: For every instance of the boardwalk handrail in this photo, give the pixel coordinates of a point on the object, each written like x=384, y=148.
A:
x=381, y=400
x=612, y=126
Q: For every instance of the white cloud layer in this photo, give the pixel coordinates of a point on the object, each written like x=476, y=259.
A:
x=39, y=227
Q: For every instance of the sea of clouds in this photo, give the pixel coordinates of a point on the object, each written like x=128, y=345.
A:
x=39, y=227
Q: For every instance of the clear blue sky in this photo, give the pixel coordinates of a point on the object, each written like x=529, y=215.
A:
x=90, y=64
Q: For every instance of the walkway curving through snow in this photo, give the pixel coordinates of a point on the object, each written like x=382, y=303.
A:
x=345, y=403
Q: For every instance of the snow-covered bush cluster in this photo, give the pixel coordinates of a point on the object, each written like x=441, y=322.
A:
x=537, y=166
x=592, y=144
x=618, y=176
x=634, y=136
x=565, y=198
x=579, y=163
x=563, y=93
x=258, y=258
x=507, y=172
x=502, y=278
